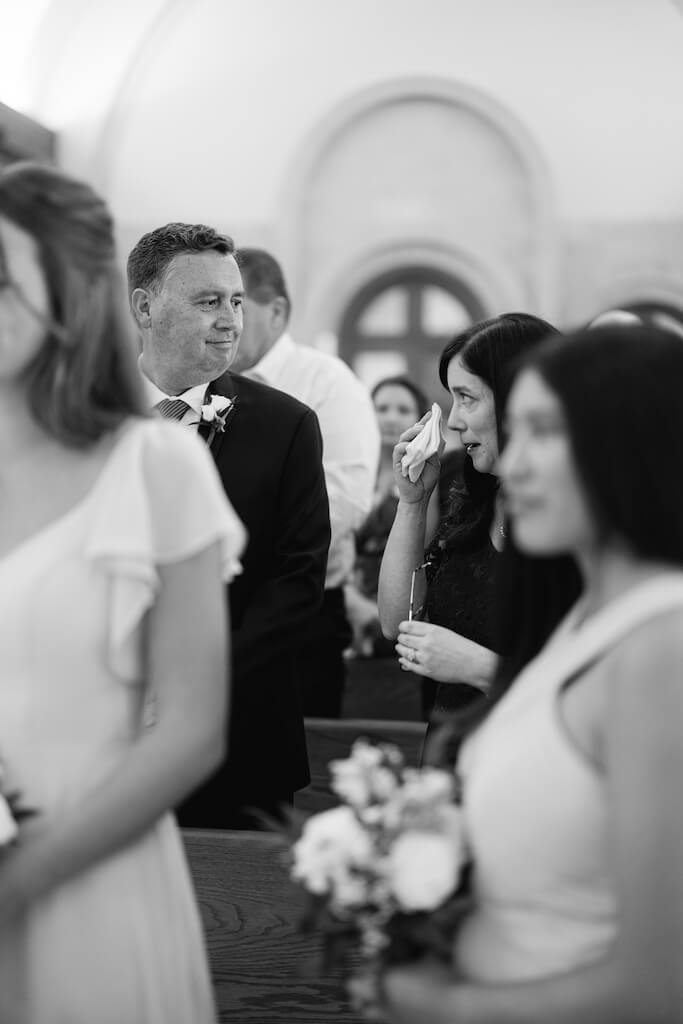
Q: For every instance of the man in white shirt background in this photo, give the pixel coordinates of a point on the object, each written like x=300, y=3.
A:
x=351, y=446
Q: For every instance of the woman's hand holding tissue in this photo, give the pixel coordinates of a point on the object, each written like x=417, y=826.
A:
x=416, y=457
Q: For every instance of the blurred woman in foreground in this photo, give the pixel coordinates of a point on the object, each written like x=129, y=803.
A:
x=115, y=539
x=572, y=789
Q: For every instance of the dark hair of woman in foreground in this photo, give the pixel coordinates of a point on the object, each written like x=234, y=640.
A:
x=637, y=492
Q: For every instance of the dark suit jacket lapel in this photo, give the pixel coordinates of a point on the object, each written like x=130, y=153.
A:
x=223, y=386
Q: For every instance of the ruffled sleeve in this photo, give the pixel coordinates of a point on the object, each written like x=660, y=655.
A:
x=160, y=500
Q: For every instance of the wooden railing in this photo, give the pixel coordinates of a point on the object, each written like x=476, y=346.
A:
x=260, y=963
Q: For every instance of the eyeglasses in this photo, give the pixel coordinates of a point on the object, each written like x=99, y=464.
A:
x=413, y=612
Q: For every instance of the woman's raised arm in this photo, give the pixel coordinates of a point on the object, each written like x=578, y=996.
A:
x=405, y=546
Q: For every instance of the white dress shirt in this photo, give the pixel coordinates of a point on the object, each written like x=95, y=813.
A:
x=194, y=397
x=351, y=440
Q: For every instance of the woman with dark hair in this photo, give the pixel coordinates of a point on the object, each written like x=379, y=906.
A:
x=572, y=797
x=398, y=403
x=450, y=635
x=112, y=690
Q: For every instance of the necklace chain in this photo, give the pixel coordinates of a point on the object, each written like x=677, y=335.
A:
x=500, y=515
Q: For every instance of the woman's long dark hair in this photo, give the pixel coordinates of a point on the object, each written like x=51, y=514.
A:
x=84, y=380
x=619, y=388
x=489, y=349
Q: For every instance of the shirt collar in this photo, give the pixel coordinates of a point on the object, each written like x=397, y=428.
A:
x=193, y=396
x=271, y=363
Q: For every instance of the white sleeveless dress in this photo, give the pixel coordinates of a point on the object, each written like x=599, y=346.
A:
x=536, y=813
x=122, y=942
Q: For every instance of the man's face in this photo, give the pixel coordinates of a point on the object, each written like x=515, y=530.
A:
x=195, y=321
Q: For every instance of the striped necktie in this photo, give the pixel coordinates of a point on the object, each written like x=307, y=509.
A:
x=172, y=408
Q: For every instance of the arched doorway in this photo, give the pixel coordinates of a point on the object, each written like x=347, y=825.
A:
x=399, y=322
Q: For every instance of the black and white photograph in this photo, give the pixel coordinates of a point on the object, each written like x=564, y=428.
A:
x=341, y=512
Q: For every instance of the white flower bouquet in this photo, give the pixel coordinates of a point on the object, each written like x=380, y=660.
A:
x=382, y=871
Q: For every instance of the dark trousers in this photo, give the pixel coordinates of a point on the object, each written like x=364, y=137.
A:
x=320, y=665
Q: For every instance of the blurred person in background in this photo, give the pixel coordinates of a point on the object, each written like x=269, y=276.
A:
x=113, y=690
x=342, y=404
x=398, y=404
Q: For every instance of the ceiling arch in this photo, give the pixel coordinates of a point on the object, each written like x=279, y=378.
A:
x=72, y=38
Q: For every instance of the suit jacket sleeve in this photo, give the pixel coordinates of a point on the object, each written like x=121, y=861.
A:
x=291, y=585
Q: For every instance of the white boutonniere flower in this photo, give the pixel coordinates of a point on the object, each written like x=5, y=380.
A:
x=8, y=826
x=11, y=813
x=216, y=411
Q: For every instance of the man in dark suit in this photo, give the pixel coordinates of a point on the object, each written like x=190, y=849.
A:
x=186, y=295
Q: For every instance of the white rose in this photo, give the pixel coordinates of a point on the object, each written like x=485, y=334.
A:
x=374, y=816
x=350, y=782
x=384, y=783
x=332, y=844
x=348, y=891
x=215, y=408
x=364, y=777
x=365, y=754
x=423, y=869
x=8, y=826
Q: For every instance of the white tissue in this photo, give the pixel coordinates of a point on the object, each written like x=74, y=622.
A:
x=423, y=446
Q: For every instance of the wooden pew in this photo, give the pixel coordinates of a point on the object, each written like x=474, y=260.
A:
x=257, y=958
x=331, y=738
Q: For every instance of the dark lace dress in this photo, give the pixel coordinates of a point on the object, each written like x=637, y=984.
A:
x=460, y=596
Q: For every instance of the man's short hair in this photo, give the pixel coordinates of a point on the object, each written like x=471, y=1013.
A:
x=263, y=277
x=150, y=258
